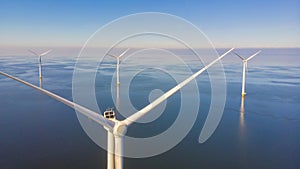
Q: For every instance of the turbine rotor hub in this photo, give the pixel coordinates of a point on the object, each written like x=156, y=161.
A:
x=119, y=129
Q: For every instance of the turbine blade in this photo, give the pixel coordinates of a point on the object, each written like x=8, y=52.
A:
x=169, y=93
x=112, y=55
x=123, y=53
x=45, y=53
x=84, y=111
x=253, y=55
x=239, y=56
x=33, y=52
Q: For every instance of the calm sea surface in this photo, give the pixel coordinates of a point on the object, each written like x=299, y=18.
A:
x=38, y=132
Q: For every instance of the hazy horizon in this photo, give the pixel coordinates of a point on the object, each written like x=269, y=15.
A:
x=74, y=51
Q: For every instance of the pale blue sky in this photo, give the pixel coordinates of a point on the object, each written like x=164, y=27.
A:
x=243, y=23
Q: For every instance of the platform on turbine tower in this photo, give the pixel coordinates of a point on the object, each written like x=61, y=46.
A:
x=109, y=113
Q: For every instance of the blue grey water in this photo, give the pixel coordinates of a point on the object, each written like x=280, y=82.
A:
x=39, y=132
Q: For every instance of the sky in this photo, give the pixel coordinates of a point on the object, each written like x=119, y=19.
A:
x=241, y=23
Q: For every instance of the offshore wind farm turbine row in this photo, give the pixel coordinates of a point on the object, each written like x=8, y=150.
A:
x=245, y=67
x=118, y=57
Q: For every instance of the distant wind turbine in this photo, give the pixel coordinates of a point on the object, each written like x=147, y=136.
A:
x=245, y=67
x=118, y=64
x=40, y=61
x=117, y=129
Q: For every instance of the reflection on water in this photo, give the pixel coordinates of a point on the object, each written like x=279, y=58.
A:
x=242, y=133
x=242, y=120
x=242, y=111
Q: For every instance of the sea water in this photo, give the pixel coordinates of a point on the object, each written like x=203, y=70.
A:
x=39, y=132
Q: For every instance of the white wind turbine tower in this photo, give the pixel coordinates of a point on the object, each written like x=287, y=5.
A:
x=117, y=129
x=118, y=64
x=110, y=114
x=40, y=61
x=245, y=67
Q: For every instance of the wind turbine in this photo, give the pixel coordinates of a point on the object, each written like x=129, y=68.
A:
x=117, y=129
x=245, y=67
x=40, y=61
x=118, y=64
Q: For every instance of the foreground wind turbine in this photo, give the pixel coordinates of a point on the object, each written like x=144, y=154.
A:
x=117, y=129
x=118, y=64
x=245, y=66
x=40, y=61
